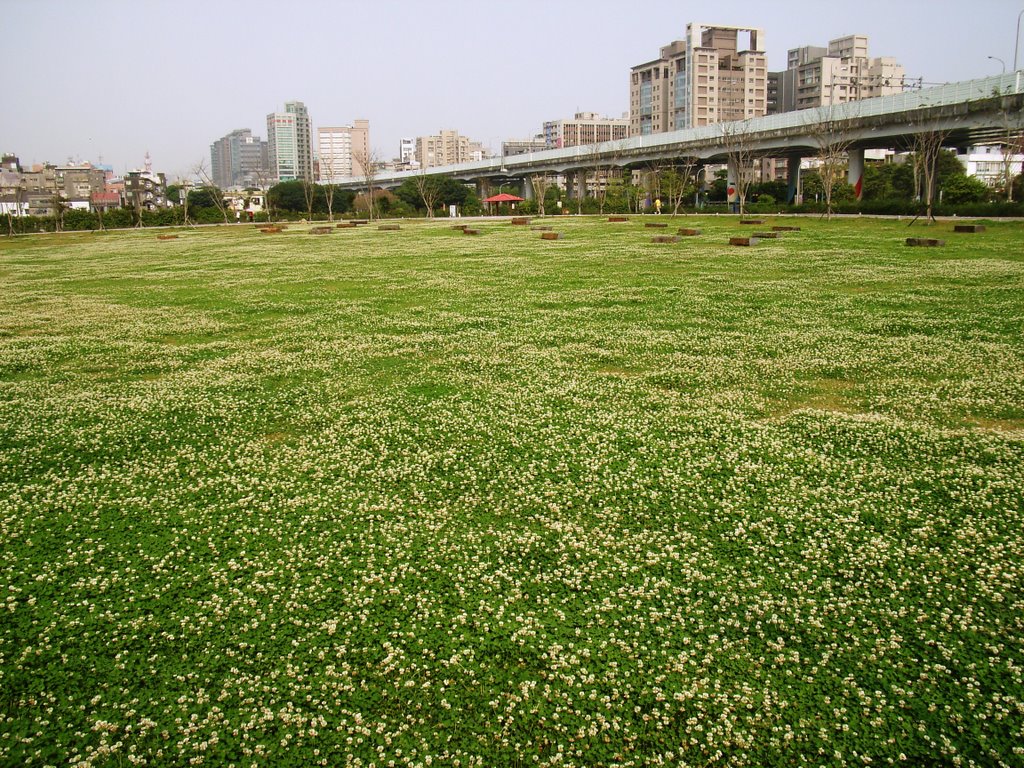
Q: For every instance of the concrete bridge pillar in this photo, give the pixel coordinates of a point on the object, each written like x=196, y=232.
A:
x=570, y=185
x=731, y=177
x=483, y=188
x=793, y=177
x=527, y=186
x=855, y=172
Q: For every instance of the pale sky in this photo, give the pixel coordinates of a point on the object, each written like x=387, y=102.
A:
x=107, y=80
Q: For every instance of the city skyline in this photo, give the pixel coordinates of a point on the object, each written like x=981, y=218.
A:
x=498, y=74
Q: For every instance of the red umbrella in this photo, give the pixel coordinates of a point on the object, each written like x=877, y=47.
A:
x=504, y=197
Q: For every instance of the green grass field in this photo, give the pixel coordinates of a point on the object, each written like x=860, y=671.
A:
x=421, y=498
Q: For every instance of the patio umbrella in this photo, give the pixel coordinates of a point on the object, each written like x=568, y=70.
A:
x=504, y=197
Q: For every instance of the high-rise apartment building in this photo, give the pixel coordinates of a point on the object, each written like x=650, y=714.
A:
x=238, y=159
x=288, y=140
x=343, y=150
x=447, y=148
x=584, y=128
x=716, y=74
x=842, y=72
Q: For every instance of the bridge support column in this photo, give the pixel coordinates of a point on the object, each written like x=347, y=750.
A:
x=793, y=180
x=855, y=173
x=527, y=188
x=570, y=185
x=483, y=188
x=731, y=176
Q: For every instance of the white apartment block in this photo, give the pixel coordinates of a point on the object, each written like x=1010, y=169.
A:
x=990, y=165
x=717, y=74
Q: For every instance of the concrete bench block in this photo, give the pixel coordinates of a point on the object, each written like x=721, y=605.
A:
x=688, y=232
x=617, y=219
x=550, y=235
x=520, y=220
x=321, y=230
x=751, y=221
x=389, y=227
x=785, y=229
x=743, y=241
x=969, y=228
x=666, y=239
x=925, y=242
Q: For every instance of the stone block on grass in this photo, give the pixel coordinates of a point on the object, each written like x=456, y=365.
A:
x=969, y=228
x=389, y=227
x=744, y=241
x=925, y=242
x=550, y=235
x=689, y=232
x=666, y=239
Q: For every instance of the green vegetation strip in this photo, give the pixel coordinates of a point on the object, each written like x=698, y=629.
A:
x=434, y=500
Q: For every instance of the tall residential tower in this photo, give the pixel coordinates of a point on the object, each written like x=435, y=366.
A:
x=716, y=74
x=288, y=140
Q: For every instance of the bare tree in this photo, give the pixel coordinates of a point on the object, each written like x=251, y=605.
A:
x=927, y=148
x=428, y=190
x=675, y=182
x=599, y=164
x=369, y=163
x=203, y=175
x=833, y=144
x=1012, y=145
x=58, y=204
x=327, y=163
x=18, y=193
x=263, y=179
x=309, y=195
x=540, y=183
x=740, y=155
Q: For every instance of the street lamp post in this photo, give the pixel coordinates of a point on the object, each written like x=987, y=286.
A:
x=1016, y=41
x=996, y=58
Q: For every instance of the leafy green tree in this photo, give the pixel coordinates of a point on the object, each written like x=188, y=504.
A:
x=202, y=198
x=961, y=188
x=288, y=196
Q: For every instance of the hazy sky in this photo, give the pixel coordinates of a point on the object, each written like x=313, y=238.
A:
x=111, y=79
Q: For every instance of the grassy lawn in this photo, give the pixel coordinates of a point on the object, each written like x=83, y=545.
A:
x=422, y=498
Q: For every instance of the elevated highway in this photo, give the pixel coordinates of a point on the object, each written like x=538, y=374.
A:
x=965, y=113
